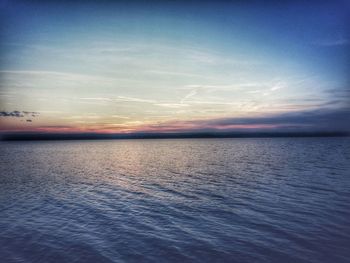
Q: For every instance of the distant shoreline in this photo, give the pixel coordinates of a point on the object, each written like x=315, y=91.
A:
x=99, y=136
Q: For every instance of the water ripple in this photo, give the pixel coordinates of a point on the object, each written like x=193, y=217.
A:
x=224, y=200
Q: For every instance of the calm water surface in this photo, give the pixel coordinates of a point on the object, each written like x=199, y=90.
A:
x=201, y=200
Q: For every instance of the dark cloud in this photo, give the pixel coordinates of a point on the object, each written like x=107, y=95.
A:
x=11, y=114
x=321, y=120
x=318, y=119
x=18, y=114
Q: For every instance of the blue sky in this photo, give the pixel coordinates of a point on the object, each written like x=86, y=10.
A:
x=123, y=67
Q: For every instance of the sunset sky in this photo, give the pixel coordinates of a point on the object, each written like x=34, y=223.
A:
x=165, y=66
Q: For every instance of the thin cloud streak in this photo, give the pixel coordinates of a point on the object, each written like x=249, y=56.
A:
x=333, y=42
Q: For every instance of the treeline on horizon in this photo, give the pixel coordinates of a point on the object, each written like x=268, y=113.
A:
x=99, y=136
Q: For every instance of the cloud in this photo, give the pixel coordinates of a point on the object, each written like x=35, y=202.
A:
x=131, y=99
x=32, y=113
x=118, y=98
x=97, y=99
x=278, y=85
x=18, y=114
x=172, y=105
x=46, y=74
x=120, y=117
x=11, y=114
x=340, y=41
x=321, y=120
x=221, y=87
x=189, y=95
x=174, y=73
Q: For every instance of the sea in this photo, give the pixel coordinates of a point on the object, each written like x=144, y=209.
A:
x=176, y=200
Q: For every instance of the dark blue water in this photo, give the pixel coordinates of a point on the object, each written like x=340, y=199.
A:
x=202, y=200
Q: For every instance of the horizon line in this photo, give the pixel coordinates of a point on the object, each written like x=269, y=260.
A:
x=40, y=136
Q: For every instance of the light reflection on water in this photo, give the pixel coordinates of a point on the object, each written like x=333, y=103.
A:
x=214, y=200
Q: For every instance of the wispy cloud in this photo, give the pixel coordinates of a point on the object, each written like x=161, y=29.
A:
x=278, y=85
x=97, y=99
x=132, y=99
x=118, y=98
x=339, y=41
x=120, y=117
x=189, y=95
x=174, y=73
x=46, y=73
x=172, y=105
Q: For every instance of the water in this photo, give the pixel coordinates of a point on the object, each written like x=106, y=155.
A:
x=201, y=200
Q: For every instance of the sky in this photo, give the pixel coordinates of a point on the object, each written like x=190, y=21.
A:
x=174, y=66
